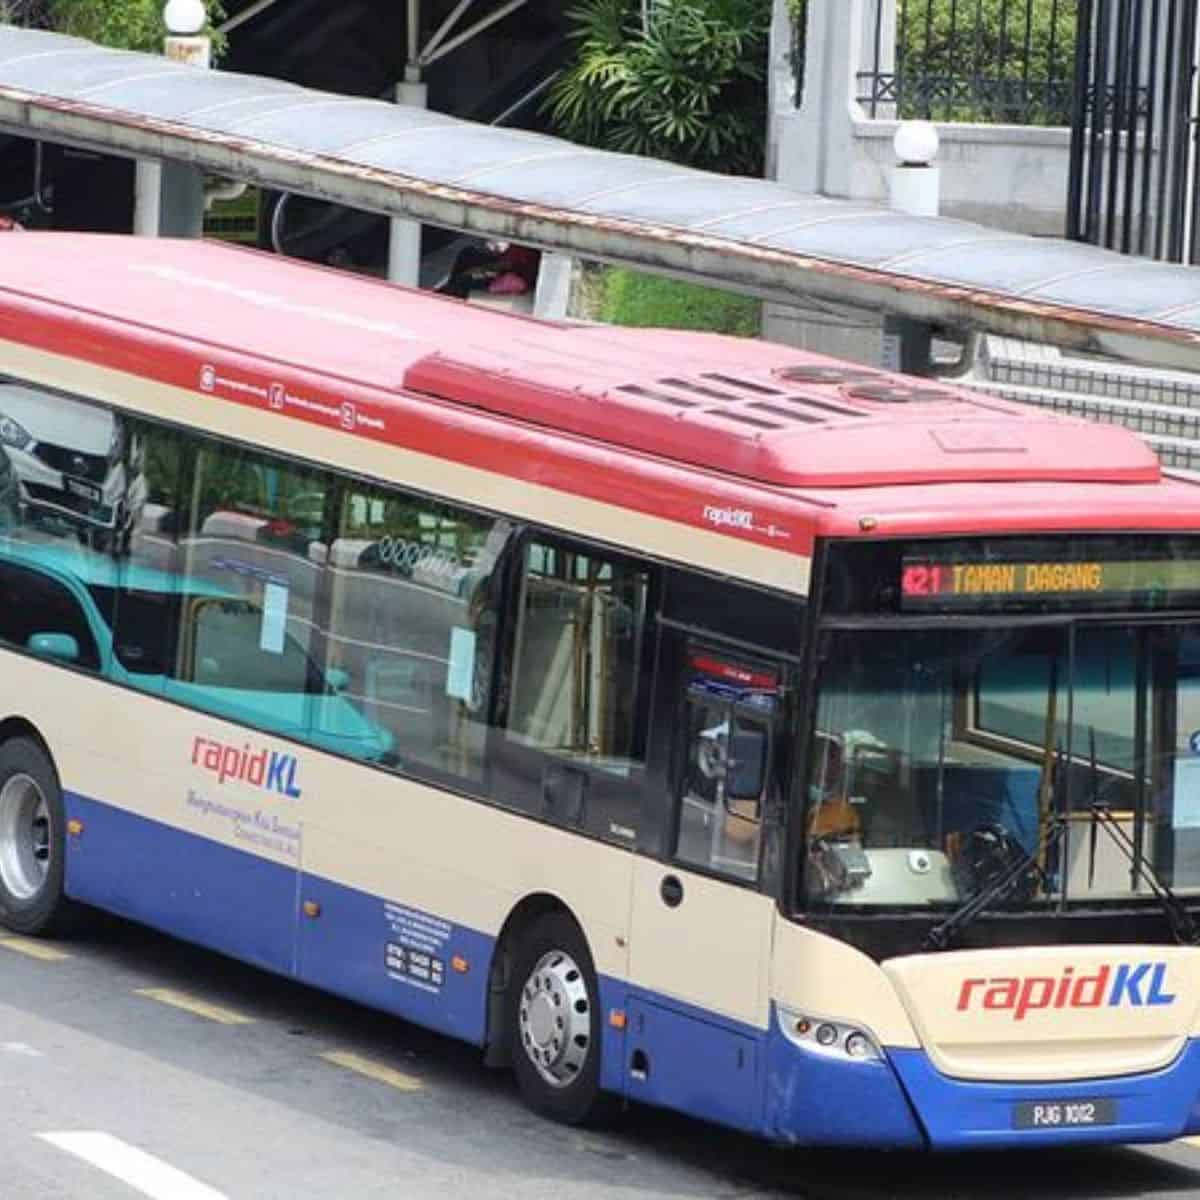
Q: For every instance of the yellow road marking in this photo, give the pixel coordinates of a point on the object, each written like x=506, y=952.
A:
x=373, y=1070
x=201, y=1008
x=31, y=948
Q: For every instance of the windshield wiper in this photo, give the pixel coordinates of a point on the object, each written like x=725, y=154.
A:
x=1183, y=927
x=942, y=935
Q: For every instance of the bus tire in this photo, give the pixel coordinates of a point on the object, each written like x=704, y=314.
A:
x=554, y=1022
x=32, y=841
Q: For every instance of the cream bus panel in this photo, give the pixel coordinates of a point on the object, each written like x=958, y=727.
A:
x=353, y=825
x=821, y=977
x=711, y=950
x=1051, y=1012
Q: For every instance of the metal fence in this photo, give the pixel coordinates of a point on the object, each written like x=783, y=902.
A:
x=1006, y=62
x=1136, y=130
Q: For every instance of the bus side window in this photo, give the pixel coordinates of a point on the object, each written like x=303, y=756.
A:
x=578, y=659
x=412, y=622
x=39, y=614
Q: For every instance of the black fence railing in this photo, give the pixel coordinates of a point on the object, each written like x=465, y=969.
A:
x=1008, y=62
x=1135, y=136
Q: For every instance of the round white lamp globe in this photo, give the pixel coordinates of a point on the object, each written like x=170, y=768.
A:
x=915, y=143
x=184, y=17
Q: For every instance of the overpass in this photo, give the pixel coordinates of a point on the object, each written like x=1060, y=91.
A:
x=746, y=235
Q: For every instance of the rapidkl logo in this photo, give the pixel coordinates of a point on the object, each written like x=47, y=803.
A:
x=266, y=769
x=1135, y=985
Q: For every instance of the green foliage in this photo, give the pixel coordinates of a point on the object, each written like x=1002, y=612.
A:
x=687, y=87
x=1024, y=68
x=653, y=301
x=125, y=24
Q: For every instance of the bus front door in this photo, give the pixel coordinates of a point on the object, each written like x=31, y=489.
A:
x=701, y=926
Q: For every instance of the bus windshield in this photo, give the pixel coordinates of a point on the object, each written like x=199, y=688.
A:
x=940, y=757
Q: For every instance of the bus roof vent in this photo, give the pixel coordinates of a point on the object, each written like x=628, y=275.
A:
x=800, y=426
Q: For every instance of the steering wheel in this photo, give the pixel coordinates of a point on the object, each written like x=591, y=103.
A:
x=988, y=852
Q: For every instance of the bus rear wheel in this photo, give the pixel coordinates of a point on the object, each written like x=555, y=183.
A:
x=554, y=1022
x=32, y=841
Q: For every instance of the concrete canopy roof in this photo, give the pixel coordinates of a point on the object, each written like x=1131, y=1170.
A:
x=748, y=235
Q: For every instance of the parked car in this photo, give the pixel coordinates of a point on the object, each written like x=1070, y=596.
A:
x=75, y=467
x=8, y=494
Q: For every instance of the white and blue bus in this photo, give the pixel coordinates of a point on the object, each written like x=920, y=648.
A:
x=681, y=720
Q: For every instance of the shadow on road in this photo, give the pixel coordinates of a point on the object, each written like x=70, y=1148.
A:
x=646, y=1152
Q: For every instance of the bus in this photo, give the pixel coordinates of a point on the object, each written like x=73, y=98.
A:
x=682, y=720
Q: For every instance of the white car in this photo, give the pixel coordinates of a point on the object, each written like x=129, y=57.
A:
x=8, y=494
x=72, y=465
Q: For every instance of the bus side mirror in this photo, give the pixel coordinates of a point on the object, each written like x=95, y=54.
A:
x=747, y=765
x=61, y=646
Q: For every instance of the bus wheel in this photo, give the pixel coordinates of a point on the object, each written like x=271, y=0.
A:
x=31, y=840
x=554, y=1021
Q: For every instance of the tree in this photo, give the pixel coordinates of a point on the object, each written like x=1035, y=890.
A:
x=126, y=24
x=992, y=61
x=683, y=81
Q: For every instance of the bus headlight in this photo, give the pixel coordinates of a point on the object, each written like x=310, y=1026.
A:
x=12, y=434
x=834, y=1039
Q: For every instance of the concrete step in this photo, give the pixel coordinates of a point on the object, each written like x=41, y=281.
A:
x=1166, y=420
x=1009, y=361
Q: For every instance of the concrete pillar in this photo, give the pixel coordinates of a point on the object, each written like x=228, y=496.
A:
x=168, y=200
x=829, y=104
x=404, y=240
x=811, y=147
x=553, y=295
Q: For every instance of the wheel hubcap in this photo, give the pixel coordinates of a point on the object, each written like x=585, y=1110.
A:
x=555, y=1018
x=24, y=837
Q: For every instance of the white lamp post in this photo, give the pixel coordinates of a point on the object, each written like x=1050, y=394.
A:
x=916, y=182
x=184, y=42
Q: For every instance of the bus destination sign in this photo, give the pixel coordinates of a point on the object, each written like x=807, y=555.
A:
x=929, y=584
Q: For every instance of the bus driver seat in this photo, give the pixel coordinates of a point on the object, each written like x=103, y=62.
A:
x=830, y=814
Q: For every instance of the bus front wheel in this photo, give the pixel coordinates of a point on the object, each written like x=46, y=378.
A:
x=31, y=840
x=554, y=1021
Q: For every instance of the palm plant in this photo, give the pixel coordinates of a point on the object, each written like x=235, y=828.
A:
x=683, y=81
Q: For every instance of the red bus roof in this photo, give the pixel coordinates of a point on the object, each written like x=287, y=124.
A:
x=844, y=439
x=763, y=412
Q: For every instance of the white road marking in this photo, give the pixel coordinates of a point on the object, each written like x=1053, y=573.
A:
x=141, y=1171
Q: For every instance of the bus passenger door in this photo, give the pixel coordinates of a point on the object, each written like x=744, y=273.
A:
x=701, y=925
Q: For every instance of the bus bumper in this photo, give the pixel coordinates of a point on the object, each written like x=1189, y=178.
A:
x=904, y=1102
x=962, y=1114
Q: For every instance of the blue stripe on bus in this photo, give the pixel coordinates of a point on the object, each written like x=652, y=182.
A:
x=361, y=946
x=194, y=888
x=962, y=1114
x=240, y=904
x=396, y=958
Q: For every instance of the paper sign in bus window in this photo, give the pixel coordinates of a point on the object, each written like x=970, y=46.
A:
x=274, y=618
x=460, y=678
x=1187, y=792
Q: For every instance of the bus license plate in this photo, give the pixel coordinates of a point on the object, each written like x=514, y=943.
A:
x=85, y=491
x=1063, y=1114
